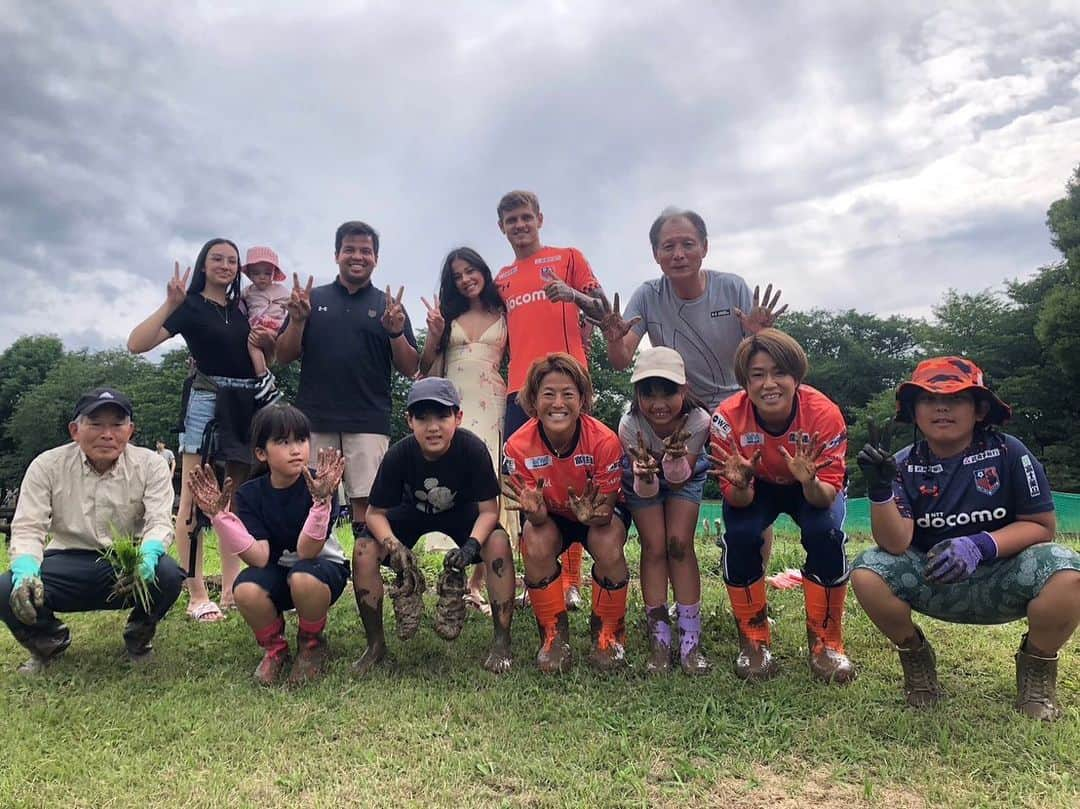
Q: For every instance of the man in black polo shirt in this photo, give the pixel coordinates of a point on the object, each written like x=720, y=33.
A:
x=351, y=335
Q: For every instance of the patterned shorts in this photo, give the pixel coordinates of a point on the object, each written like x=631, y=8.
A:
x=996, y=593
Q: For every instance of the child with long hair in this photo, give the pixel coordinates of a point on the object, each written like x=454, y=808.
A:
x=281, y=529
x=664, y=434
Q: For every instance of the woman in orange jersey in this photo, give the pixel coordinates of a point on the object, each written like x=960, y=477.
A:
x=563, y=467
x=779, y=448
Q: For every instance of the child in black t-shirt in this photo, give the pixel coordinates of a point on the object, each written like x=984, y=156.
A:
x=963, y=520
x=282, y=529
x=440, y=478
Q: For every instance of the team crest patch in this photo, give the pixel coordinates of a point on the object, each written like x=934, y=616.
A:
x=720, y=426
x=538, y=462
x=987, y=480
x=371, y=313
x=583, y=460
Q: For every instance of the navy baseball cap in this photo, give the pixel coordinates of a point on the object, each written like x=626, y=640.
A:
x=433, y=389
x=100, y=397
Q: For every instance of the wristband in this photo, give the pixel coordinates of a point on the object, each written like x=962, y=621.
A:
x=317, y=524
x=988, y=548
x=24, y=566
x=395, y=335
x=676, y=470
x=233, y=536
x=880, y=498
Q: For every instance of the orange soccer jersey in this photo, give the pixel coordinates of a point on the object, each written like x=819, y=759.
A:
x=597, y=454
x=536, y=325
x=735, y=424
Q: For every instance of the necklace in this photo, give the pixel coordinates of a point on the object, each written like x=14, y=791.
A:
x=223, y=311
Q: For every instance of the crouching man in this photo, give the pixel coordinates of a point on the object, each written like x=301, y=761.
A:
x=73, y=500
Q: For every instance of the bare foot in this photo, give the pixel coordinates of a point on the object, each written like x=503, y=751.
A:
x=374, y=654
x=499, y=659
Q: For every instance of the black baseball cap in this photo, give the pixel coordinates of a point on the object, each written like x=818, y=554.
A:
x=433, y=389
x=100, y=397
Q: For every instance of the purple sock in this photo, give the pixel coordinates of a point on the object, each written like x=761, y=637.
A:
x=689, y=626
x=661, y=629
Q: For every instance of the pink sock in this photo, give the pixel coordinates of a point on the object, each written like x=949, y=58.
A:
x=272, y=637
x=312, y=627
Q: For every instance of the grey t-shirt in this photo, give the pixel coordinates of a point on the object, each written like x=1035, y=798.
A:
x=704, y=331
x=697, y=425
x=167, y=454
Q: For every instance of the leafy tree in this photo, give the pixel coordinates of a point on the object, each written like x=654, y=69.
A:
x=23, y=366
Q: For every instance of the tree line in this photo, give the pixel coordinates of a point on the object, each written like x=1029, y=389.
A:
x=1026, y=338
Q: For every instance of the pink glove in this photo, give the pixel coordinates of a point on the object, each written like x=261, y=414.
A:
x=233, y=537
x=676, y=470
x=643, y=488
x=317, y=523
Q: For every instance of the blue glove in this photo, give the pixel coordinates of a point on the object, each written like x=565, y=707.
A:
x=149, y=553
x=955, y=559
x=23, y=566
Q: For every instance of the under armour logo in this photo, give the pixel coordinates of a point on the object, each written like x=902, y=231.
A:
x=322, y=308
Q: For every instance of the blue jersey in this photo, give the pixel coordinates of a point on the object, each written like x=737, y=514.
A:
x=986, y=487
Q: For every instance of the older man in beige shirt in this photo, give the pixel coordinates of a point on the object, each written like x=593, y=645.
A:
x=73, y=500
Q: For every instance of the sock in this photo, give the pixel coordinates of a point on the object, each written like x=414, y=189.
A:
x=661, y=630
x=689, y=626
x=272, y=638
x=548, y=603
x=610, y=607
x=825, y=613
x=749, y=604
x=571, y=566
x=312, y=627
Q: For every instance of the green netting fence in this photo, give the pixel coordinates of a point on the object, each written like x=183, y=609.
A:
x=1067, y=507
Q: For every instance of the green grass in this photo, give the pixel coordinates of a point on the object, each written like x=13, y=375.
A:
x=433, y=729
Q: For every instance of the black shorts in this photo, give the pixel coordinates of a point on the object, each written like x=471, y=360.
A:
x=573, y=531
x=409, y=524
x=274, y=579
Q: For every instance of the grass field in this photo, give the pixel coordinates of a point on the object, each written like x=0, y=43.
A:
x=432, y=729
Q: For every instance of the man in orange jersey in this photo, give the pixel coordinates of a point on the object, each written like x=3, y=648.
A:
x=546, y=291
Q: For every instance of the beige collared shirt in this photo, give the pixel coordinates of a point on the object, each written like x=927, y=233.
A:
x=64, y=504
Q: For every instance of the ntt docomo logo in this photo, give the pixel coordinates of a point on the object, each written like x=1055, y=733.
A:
x=940, y=520
x=528, y=297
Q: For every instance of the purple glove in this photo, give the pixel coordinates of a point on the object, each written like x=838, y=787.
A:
x=954, y=559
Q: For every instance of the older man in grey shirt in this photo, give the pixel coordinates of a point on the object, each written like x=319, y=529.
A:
x=702, y=314
x=73, y=501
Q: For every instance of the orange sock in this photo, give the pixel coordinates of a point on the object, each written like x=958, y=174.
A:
x=610, y=607
x=825, y=613
x=571, y=566
x=750, y=607
x=548, y=604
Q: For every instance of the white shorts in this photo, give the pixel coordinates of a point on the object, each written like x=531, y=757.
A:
x=363, y=453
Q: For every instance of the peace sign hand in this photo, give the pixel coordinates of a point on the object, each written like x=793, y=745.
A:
x=436, y=325
x=612, y=325
x=876, y=462
x=675, y=444
x=299, y=303
x=204, y=489
x=763, y=313
x=644, y=464
x=590, y=505
x=529, y=499
x=176, y=290
x=393, y=319
x=804, y=464
x=729, y=464
x=328, y=471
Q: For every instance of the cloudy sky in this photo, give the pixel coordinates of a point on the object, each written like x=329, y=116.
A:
x=867, y=156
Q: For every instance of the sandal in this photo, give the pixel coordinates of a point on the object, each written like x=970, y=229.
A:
x=205, y=612
x=477, y=602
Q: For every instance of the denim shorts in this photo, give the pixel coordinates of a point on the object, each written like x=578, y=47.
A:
x=996, y=593
x=200, y=410
x=693, y=490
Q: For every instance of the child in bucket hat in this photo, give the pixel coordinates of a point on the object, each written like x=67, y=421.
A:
x=963, y=519
x=265, y=299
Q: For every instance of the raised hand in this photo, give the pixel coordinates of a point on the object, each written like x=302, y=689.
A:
x=804, y=464
x=644, y=464
x=530, y=499
x=729, y=464
x=763, y=313
x=299, y=304
x=557, y=290
x=436, y=325
x=876, y=462
x=393, y=319
x=675, y=444
x=329, y=468
x=612, y=325
x=176, y=290
x=590, y=505
x=210, y=499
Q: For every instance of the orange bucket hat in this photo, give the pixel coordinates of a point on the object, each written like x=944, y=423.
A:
x=259, y=255
x=947, y=375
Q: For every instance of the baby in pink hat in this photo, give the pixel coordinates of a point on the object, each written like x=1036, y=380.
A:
x=265, y=299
